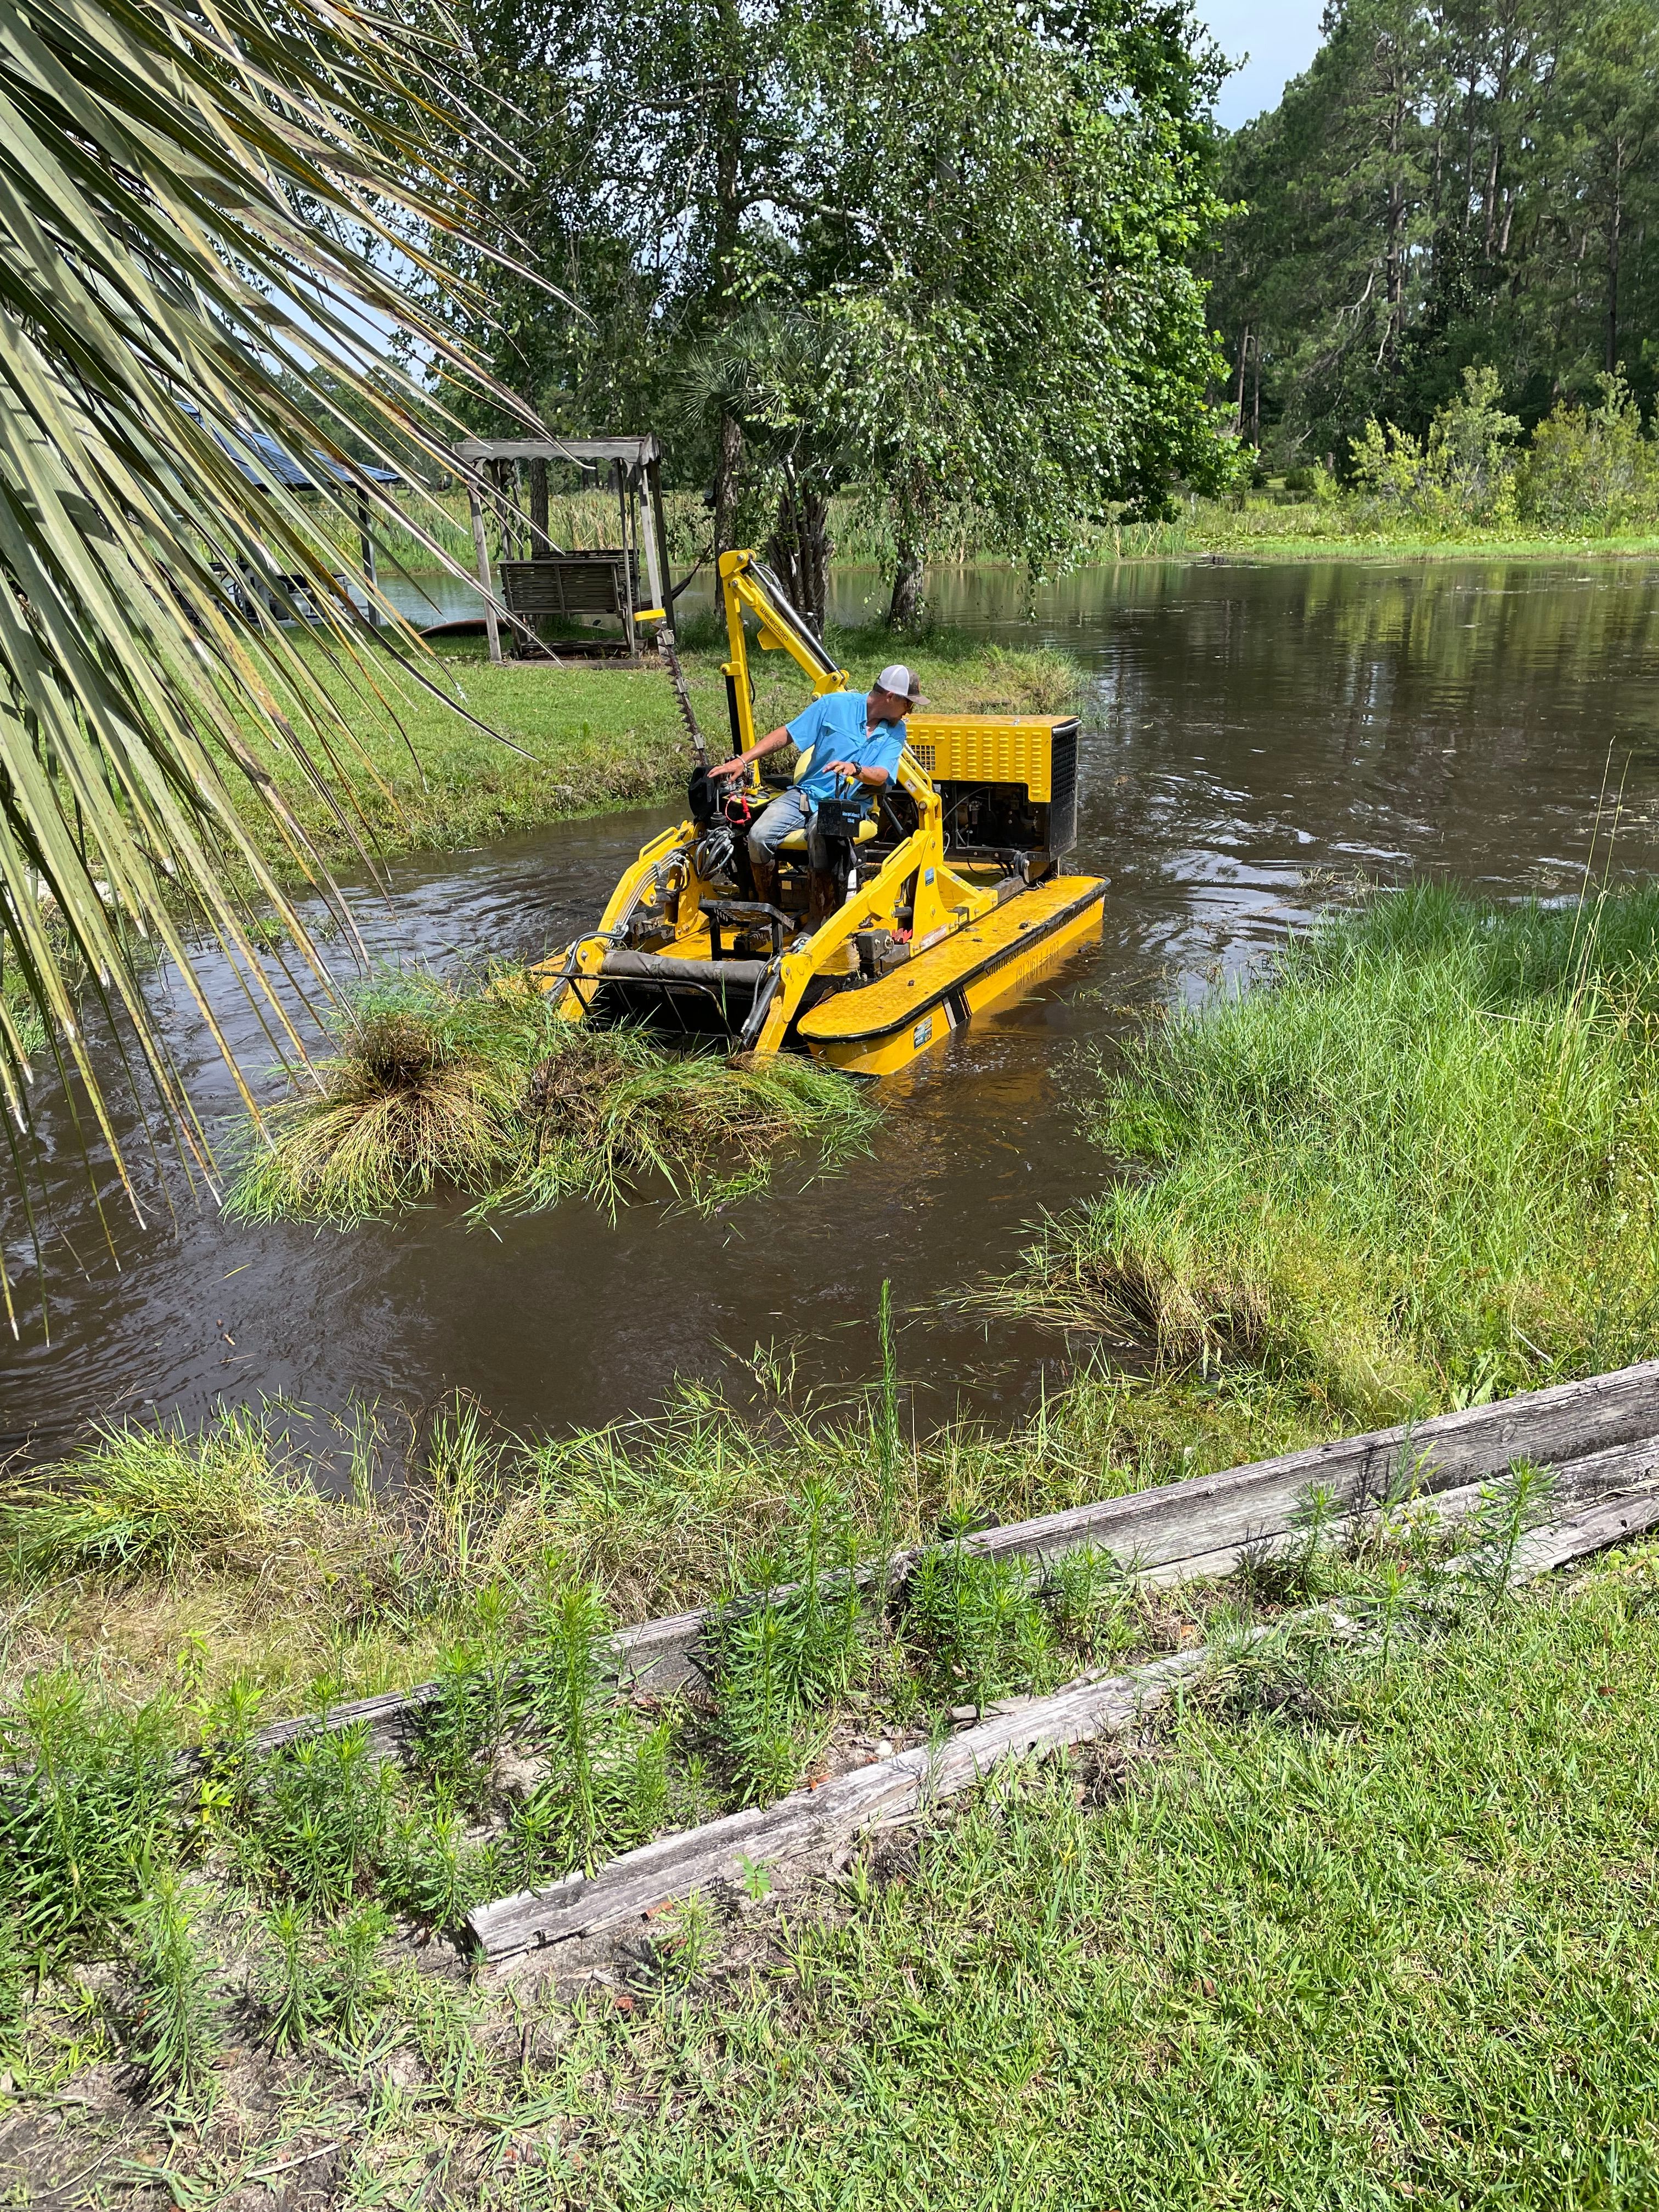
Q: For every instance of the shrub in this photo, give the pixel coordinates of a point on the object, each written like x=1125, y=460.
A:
x=88, y=1812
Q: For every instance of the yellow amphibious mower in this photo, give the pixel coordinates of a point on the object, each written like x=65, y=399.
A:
x=951, y=896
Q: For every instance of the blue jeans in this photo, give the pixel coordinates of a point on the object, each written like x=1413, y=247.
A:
x=787, y=812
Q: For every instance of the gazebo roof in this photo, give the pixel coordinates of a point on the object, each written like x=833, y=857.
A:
x=636, y=452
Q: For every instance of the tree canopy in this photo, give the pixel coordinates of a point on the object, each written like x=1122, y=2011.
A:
x=941, y=254
x=1451, y=184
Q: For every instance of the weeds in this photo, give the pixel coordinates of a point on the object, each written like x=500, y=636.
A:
x=319, y=1819
x=289, y=1984
x=351, y=1984
x=1508, y=1509
x=976, y=1625
x=144, y=1498
x=87, y=1806
x=177, y=2036
x=608, y=1787
x=480, y=1088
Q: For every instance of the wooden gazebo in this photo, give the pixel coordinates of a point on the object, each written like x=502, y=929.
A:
x=545, y=578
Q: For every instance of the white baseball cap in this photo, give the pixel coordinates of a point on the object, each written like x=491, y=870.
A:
x=901, y=681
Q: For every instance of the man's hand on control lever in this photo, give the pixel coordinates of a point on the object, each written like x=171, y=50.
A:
x=773, y=742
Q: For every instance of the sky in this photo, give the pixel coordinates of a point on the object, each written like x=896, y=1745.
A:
x=1280, y=37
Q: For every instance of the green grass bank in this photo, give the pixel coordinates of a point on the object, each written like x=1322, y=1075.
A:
x=425, y=778
x=1349, y=1925
x=1411, y=1169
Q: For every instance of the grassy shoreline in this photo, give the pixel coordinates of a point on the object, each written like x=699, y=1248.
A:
x=1324, y=1931
x=1412, y=1169
x=427, y=779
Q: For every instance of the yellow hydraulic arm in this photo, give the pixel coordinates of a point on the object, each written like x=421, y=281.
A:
x=747, y=582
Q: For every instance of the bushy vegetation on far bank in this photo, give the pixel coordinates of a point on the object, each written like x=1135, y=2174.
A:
x=1413, y=1168
x=1586, y=478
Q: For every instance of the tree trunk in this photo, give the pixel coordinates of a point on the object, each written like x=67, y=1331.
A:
x=799, y=548
x=1615, y=225
x=904, y=609
x=728, y=464
x=814, y=552
x=1238, y=396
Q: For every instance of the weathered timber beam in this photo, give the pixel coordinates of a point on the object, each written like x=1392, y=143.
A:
x=1183, y=1530
x=815, y=1823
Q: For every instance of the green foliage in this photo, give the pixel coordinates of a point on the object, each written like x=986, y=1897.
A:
x=177, y=2035
x=351, y=1981
x=188, y=194
x=1508, y=1509
x=976, y=1625
x=487, y=1091
x=1442, y=189
x=319, y=1818
x=88, y=1811
x=289, y=1981
x=786, y=287
x=1591, y=470
x=607, y=1788
x=776, y=1660
x=153, y=1498
x=1418, y=1168
x=1463, y=473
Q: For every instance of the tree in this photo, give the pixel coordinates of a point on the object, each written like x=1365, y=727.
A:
x=198, y=212
x=1003, y=275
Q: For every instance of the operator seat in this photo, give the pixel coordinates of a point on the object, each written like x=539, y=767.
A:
x=796, y=841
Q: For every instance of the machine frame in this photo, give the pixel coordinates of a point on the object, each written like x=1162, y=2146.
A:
x=920, y=942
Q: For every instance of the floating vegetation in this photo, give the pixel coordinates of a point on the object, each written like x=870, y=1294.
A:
x=479, y=1087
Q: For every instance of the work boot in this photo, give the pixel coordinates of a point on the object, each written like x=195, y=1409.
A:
x=822, y=896
x=766, y=881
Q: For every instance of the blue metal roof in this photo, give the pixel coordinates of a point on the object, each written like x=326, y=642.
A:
x=279, y=466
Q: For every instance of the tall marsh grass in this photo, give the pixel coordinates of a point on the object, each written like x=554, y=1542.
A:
x=1416, y=1169
x=479, y=1088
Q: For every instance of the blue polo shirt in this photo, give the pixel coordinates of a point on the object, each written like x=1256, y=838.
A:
x=834, y=726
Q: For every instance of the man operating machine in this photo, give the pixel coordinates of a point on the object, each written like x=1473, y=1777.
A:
x=850, y=743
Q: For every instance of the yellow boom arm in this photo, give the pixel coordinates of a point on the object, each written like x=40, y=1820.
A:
x=746, y=582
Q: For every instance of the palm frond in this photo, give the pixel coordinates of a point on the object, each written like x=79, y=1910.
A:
x=208, y=215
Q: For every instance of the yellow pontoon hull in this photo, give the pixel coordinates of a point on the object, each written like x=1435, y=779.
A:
x=881, y=1028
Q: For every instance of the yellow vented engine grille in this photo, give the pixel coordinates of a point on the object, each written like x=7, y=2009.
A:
x=989, y=749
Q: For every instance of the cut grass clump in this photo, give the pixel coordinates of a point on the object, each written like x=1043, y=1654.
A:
x=1417, y=1167
x=480, y=1089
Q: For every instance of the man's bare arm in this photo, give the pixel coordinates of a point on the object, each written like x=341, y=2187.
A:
x=773, y=742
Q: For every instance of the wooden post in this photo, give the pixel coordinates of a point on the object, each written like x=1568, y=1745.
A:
x=658, y=525
x=655, y=576
x=541, y=544
x=366, y=541
x=627, y=565
x=481, y=546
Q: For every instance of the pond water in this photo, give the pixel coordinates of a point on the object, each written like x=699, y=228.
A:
x=1251, y=733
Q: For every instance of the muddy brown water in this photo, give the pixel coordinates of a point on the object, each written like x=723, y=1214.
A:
x=1251, y=732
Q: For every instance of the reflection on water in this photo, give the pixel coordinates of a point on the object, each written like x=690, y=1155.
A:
x=1250, y=732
